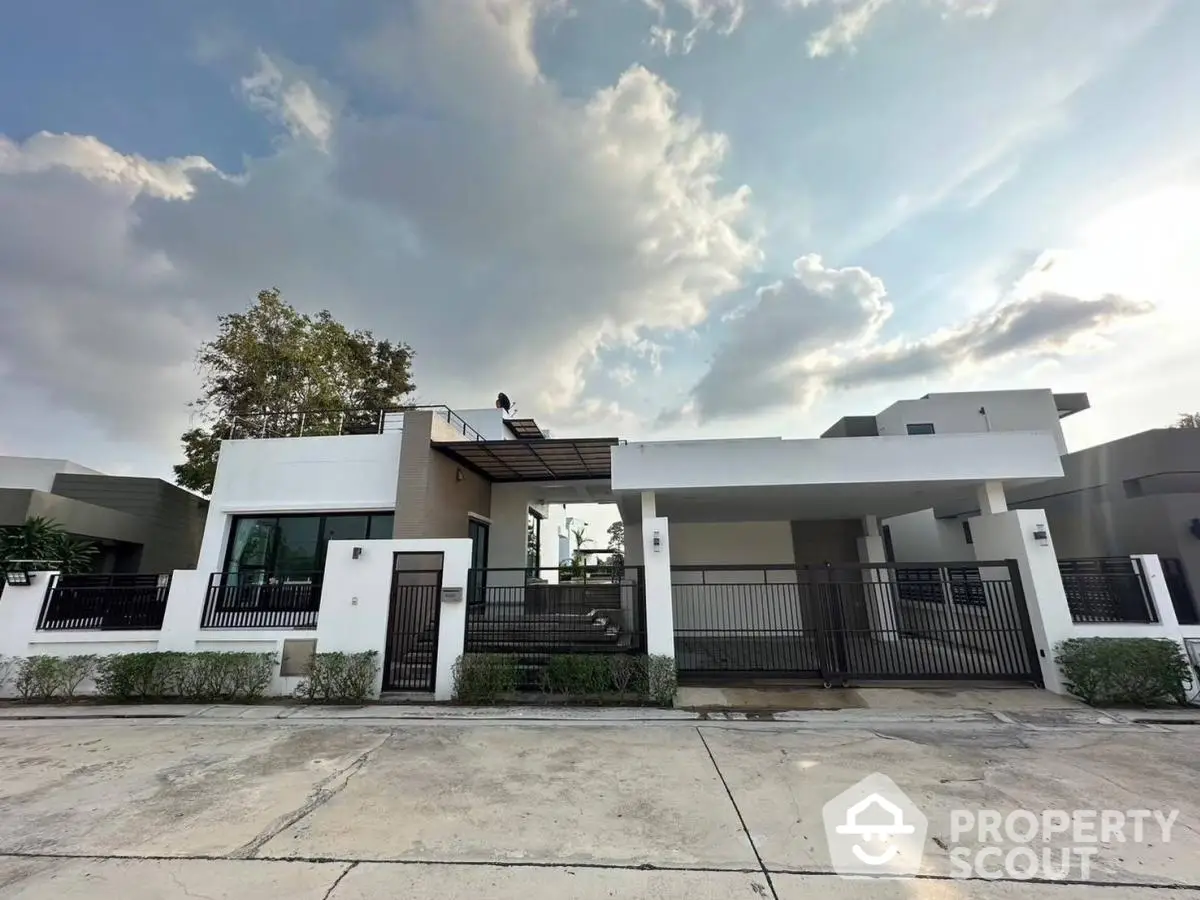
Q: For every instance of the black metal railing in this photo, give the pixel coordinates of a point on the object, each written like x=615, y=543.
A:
x=510, y=612
x=242, y=600
x=1107, y=590
x=854, y=621
x=316, y=423
x=1182, y=597
x=105, y=603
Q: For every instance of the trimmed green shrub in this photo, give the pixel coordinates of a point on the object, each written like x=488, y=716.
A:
x=340, y=678
x=577, y=674
x=662, y=679
x=206, y=676
x=37, y=678
x=72, y=671
x=485, y=677
x=626, y=672
x=50, y=677
x=140, y=676
x=1124, y=671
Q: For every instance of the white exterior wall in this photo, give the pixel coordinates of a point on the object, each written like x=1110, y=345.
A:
x=351, y=473
x=958, y=413
x=31, y=473
x=355, y=605
x=769, y=462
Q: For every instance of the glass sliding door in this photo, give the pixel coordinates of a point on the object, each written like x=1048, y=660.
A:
x=288, y=548
x=477, y=578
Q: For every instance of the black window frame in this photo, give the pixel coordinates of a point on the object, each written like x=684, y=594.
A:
x=966, y=524
x=921, y=428
x=271, y=567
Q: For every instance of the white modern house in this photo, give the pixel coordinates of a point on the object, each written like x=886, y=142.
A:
x=416, y=533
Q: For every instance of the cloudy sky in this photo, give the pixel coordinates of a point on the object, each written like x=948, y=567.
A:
x=649, y=218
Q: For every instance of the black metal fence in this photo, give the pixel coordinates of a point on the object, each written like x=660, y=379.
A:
x=1107, y=590
x=237, y=600
x=854, y=621
x=533, y=617
x=105, y=603
x=1182, y=597
x=314, y=423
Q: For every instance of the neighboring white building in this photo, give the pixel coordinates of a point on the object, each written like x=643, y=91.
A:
x=751, y=557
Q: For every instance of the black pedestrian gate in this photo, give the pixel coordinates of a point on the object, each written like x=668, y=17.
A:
x=414, y=617
x=849, y=622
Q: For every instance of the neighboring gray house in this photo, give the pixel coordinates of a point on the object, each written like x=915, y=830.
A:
x=139, y=524
x=1137, y=494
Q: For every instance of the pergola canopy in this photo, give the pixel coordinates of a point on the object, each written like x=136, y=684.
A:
x=539, y=459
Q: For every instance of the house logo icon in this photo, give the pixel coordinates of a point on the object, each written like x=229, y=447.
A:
x=873, y=828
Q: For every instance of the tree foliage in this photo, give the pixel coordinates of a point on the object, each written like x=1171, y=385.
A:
x=270, y=366
x=1187, y=420
x=45, y=541
x=616, y=536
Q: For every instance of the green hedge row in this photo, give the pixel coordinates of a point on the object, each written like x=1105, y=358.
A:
x=203, y=677
x=340, y=678
x=488, y=677
x=1125, y=671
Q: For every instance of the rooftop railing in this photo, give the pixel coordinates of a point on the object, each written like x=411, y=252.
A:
x=316, y=423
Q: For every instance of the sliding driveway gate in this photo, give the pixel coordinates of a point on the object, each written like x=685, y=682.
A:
x=853, y=622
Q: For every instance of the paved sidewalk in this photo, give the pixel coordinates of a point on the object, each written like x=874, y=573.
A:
x=332, y=806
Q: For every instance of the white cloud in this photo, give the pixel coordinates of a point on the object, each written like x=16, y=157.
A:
x=699, y=16
x=852, y=18
x=44, y=152
x=507, y=236
x=290, y=100
x=760, y=364
x=820, y=329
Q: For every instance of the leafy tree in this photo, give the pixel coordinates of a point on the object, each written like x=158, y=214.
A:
x=616, y=543
x=46, y=541
x=616, y=536
x=273, y=370
x=1188, y=420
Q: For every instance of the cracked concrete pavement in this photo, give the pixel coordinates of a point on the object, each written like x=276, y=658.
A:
x=348, y=808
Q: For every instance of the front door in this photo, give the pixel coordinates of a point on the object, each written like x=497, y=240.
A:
x=477, y=531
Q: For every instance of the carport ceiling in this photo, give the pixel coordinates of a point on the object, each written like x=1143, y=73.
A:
x=800, y=502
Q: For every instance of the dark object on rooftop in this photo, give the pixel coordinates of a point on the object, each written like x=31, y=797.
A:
x=502, y=402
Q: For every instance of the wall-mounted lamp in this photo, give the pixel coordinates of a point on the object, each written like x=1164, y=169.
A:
x=18, y=579
x=458, y=475
x=356, y=553
x=1041, y=535
x=657, y=542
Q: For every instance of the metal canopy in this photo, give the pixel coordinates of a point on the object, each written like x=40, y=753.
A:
x=545, y=459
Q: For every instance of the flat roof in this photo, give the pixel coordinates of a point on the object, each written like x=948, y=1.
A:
x=538, y=459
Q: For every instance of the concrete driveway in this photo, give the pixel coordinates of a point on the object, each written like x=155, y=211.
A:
x=373, y=808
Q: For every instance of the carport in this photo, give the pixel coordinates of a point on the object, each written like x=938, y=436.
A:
x=765, y=558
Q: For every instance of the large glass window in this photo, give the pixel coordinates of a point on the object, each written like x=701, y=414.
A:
x=264, y=548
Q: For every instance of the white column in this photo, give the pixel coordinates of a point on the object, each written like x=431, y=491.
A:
x=1160, y=594
x=1011, y=535
x=185, y=607
x=991, y=498
x=648, y=505
x=20, y=609
x=656, y=556
x=877, y=582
